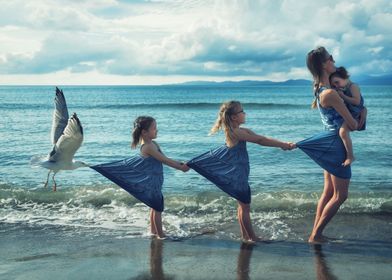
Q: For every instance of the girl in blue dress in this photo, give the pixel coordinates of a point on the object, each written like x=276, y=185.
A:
x=228, y=166
x=351, y=94
x=142, y=175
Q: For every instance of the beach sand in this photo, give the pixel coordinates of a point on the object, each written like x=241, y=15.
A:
x=56, y=252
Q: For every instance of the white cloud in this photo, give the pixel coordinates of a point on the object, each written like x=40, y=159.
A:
x=212, y=40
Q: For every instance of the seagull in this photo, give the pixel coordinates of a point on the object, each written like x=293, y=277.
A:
x=67, y=137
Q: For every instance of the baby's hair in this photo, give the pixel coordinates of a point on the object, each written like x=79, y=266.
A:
x=142, y=122
x=340, y=72
x=224, y=121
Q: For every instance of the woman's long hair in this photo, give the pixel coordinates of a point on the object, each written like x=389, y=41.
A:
x=224, y=121
x=314, y=62
x=142, y=122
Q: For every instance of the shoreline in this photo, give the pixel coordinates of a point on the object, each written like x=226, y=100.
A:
x=42, y=252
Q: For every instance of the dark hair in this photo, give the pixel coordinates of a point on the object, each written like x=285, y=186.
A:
x=142, y=122
x=314, y=62
x=340, y=72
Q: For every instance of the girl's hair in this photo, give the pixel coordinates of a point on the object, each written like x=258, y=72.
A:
x=340, y=72
x=224, y=122
x=142, y=122
x=314, y=62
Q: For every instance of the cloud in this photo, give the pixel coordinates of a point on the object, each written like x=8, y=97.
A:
x=206, y=39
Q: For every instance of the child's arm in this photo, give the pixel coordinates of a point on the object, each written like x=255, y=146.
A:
x=245, y=134
x=356, y=95
x=152, y=150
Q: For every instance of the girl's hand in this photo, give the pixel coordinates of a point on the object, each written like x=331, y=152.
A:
x=288, y=146
x=285, y=146
x=292, y=145
x=340, y=92
x=184, y=167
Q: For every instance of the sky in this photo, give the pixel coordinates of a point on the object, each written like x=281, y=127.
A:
x=109, y=42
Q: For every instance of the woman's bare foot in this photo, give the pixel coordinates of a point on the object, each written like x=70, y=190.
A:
x=317, y=239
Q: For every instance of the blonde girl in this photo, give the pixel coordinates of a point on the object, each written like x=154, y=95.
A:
x=228, y=166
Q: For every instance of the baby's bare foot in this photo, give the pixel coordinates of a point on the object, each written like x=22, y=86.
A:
x=348, y=161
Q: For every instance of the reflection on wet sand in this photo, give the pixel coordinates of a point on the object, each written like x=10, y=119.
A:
x=323, y=272
x=156, y=268
x=156, y=260
x=243, y=262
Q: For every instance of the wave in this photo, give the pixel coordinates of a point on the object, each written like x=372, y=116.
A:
x=110, y=209
x=99, y=196
x=163, y=105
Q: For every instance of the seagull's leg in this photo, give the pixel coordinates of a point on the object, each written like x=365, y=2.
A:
x=47, y=179
x=54, y=185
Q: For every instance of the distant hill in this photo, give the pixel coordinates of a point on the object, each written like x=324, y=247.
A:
x=245, y=83
x=362, y=80
x=385, y=80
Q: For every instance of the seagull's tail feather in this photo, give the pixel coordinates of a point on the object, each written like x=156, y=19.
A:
x=36, y=161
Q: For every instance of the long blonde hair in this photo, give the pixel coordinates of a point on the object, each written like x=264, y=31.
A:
x=224, y=121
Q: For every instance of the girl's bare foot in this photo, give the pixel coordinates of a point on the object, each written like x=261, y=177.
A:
x=162, y=237
x=252, y=240
x=248, y=241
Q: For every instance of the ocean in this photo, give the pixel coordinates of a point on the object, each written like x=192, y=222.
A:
x=285, y=184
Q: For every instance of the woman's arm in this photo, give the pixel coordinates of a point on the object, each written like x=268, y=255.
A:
x=152, y=150
x=330, y=98
x=356, y=95
x=245, y=134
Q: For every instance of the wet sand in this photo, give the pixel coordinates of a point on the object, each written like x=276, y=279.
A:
x=55, y=252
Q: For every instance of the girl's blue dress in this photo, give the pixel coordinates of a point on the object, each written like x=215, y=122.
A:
x=327, y=148
x=227, y=168
x=141, y=177
x=355, y=110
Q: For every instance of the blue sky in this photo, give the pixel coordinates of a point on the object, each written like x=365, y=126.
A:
x=157, y=42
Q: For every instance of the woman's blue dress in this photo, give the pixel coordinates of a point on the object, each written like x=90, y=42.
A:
x=141, y=177
x=227, y=168
x=327, y=148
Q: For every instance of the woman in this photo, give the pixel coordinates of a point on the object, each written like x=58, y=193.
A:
x=333, y=113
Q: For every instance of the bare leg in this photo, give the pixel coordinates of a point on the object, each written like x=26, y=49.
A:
x=157, y=223
x=47, y=179
x=54, y=182
x=340, y=193
x=241, y=225
x=245, y=222
x=324, y=198
x=152, y=222
x=344, y=133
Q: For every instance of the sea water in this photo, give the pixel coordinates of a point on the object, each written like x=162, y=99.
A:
x=285, y=184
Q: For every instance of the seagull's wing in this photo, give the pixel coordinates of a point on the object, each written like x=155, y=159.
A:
x=69, y=142
x=60, y=116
